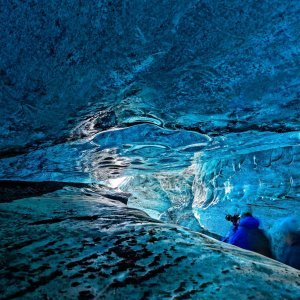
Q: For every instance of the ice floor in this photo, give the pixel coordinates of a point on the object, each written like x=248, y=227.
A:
x=76, y=243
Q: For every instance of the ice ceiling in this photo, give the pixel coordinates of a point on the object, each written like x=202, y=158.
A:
x=192, y=107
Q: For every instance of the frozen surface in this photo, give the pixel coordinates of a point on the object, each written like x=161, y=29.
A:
x=254, y=171
x=78, y=244
x=188, y=108
x=205, y=65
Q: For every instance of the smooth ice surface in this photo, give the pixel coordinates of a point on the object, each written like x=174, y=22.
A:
x=188, y=108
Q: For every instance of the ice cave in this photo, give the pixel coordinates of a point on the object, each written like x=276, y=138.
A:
x=131, y=130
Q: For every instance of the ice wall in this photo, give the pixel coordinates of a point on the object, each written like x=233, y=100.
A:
x=255, y=172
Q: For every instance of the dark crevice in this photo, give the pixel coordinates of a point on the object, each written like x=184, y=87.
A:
x=11, y=190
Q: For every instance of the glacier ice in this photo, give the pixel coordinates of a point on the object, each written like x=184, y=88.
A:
x=184, y=110
x=77, y=243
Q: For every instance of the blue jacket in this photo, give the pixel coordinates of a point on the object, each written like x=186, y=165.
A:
x=248, y=236
x=229, y=234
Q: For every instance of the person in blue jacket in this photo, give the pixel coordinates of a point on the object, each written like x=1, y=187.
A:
x=249, y=236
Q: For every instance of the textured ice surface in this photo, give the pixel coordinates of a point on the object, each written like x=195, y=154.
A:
x=78, y=244
x=190, y=108
x=256, y=171
x=208, y=65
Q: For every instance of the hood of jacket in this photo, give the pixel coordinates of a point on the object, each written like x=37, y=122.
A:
x=249, y=222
